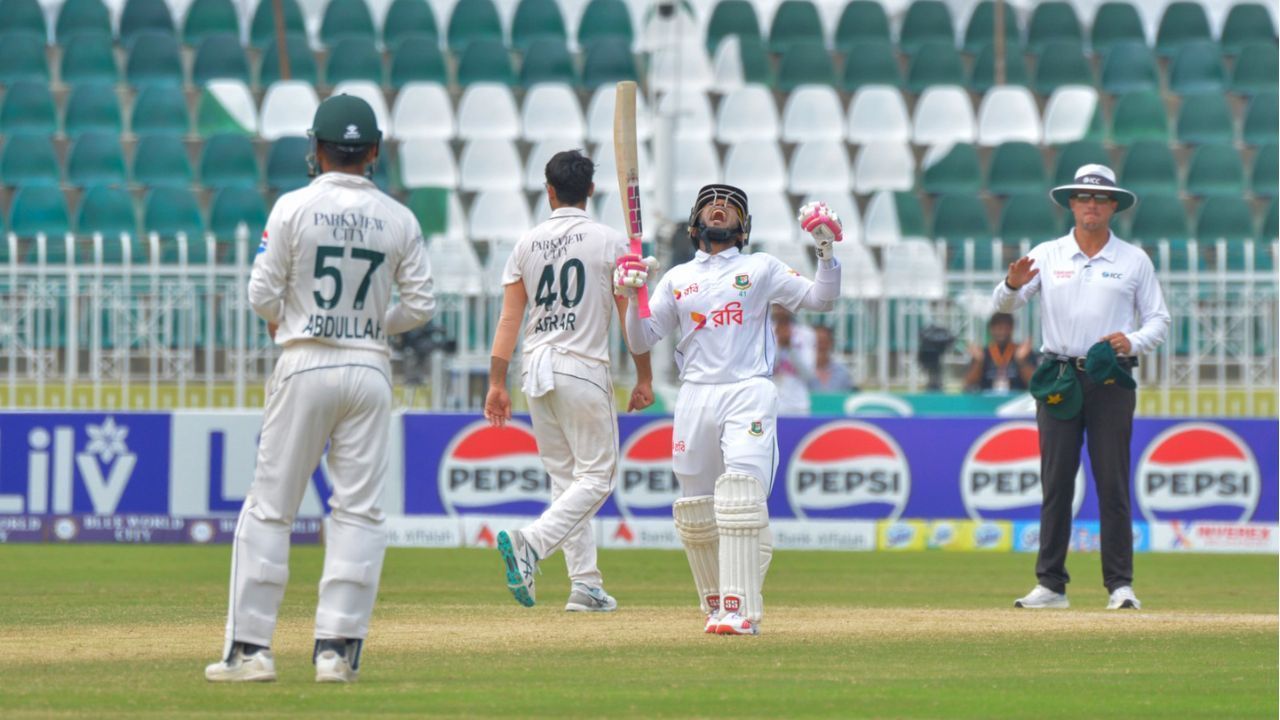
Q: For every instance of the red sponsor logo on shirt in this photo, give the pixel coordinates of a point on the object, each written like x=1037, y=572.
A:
x=677, y=447
x=687, y=291
x=1063, y=274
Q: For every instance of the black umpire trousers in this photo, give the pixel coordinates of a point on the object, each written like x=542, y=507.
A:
x=1106, y=423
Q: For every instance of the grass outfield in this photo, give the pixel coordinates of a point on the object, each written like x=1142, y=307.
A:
x=113, y=631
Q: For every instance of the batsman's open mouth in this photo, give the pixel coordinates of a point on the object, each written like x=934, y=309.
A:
x=718, y=215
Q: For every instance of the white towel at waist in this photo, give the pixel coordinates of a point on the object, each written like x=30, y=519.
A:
x=539, y=375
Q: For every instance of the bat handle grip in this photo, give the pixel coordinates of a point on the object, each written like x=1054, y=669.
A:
x=642, y=297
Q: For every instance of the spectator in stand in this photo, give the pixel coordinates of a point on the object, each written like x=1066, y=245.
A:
x=792, y=362
x=829, y=374
x=1002, y=366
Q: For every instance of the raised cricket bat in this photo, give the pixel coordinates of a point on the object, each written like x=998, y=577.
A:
x=624, y=155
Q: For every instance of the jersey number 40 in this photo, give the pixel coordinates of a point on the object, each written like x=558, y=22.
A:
x=571, y=285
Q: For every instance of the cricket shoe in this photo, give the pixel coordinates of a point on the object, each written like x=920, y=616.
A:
x=584, y=598
x=259, y=666
x=337, y=660
x=735, y=624
x=713, y=623
x=1042, y=597
x=521, y=564
x=1124, y=599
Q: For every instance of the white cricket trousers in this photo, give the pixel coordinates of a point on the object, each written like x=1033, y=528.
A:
x=725, y=427
x=317, y=396
x=576, y=425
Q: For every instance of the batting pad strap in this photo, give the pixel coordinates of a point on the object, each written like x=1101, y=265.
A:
x=740, y=503
x=267, y=572
x=695, y=519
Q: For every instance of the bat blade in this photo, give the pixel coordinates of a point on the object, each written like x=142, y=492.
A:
x=624, y=154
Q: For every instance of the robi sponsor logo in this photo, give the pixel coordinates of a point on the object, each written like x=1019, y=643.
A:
x=494, y=468
x=1000, y=477
x=646, y=483
x=848, y=469
x=1198, y=471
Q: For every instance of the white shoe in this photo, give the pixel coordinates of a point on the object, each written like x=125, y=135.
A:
x=258, y=667
x=1124, y=599
x=520, y=563
x=713, y=623
x=334, y=668
x=1042, y=597
x=584, y=598
x=735, y=624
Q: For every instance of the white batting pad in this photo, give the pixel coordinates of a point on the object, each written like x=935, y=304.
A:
x=741, y=515
x=353, y=552
x=695, y=519
x=259, y=573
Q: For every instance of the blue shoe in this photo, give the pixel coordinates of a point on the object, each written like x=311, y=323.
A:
x=521, y=562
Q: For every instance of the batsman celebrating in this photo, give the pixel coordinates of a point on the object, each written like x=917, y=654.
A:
x=322, y=280
x=725, y=447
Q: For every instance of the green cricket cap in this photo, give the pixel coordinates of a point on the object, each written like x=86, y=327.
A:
x=1103, y=367
x=1055, y=384
x=346, y=120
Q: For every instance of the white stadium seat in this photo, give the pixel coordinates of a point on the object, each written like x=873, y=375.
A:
x=913, y=270
x=422, y=110
x=1007, y=114
x=812, y=112
x=819, y=167
x=234, y=97
x=499, y=215
x=747, y=113
x=884, y=166
x=600, y=116
x=756, y=166
x=427, y=162
x=551, y=112
x=1069, y=113
x=877, y=113
x=691, y=110
x=287, y=109
x=488, y=111
x=944, y=115
x=490, y=165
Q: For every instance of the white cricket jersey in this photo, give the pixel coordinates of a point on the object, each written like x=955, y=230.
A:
x=1085, y=299
x=718, y=306
x=566, y=264
x=328, y=259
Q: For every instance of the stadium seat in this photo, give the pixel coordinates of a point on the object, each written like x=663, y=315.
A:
x=262, y=31
x=1115, y=23
x=228, y=161
x=1070, y=112
x=697, y=164
x=1028, y=217
x=160, y=109
x=749, y=113
x=1182, y=22
x=353, y=57
x=1197, y=68
x=1129, y=67
x=1061, y=64
x=813, y=112
x=951, y=170
x=92, y=107
x=862, y=21
x=110, y=211
x=980, y=30
x=877, y=113
x=884, y=166
x=913, y=270
x=606, y=63
x=551, y=112
x=489, y=164
x=226, y=106
x=144, y=16
x=220, y=56
x=805, y=63
x=371, y=93
x=473, y=20
x=926, y=21
x=890, y=217
x=682, y=65
x=983, y=77
x=417, y=59
x=234, y=205
x=741, y=60
x=961, y=218
x=209, y=18
x=1270, y=230
x=773, y=226
x=794, y=21
x=869, y=62
x=606, y=166
x=690, y=110
x=28, y=107
x=1205, y=117
x=1139, y=116
x=943, y=116
x=1255, y=70
x=1008, y=113
x=96, y=159
x=756, y=166
x=88, y=58
x=488, y=111
x=287, y=164
x=1215, y=171
x=1075, y=155
x=535, y=166
x=82, y=16
x=536, y=19
x=22, y=57
x=168, y=211
x=1264, y=177
x=408, y=17
x=302, y=64
x=600, y=117
x=345, y=18
x=23, y=16
x=731, y=17
x=1149, y=168
x=547, y=60
x=422, y=110
x=154, y=59
x=1159, y=216
x=605, y=19
x=39, y=209
x=1247, y=23
x=454, y=264
x=1224, y=218
x=499, y=215
x=287, y=109
x=1053, y=22
x=1016, y=167
x=818, y=167
x=934, y=63
x=29, y=159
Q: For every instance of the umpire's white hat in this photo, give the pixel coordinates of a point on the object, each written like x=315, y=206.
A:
x=1095, y=178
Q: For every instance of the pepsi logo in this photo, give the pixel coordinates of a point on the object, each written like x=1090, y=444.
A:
x=1000, y=477
x=491, y=468
x=848, y=469
x=1198, y=471
x=647, y=485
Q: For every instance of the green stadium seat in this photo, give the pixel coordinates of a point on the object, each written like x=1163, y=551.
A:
x=1139, y=116
x=92, y=107
x=862, y=21
x=418, y=58
x=162, y=160
x=29, y=159
x=473, y=20
x=1061, y=63
x=1215, y=171
x=606, y=63
x=731, y=17
x=547, y=60
x=1255, y=70
x=226, y=106
x=28, y=107
x=1270, y=230
x=983, y=77
x=1016, y=167
x=302, y=64
x=1247, y=23
x=110, y=211
x=220, y=56
x=747, y=56
x=870, y=62
x=935, y=63
x=168, y=211
x=287, y=164
x=209, y=18
x=926, y=21
x=1205, y=118
x=795, y=21
x=910, y=214
x=487, y=60
x=1198, y=68
x=957, y=218
x=1053, y=22
x=1182, y=22
x=805, y=63
x=1076, y=154
x=1114, y=23
x=353, y=57
x=344, y=18
x=1149, y=167
x=234, y=205
x=408, y=17
x=160, y=109
x=1224, y=218
x=229, y=161
x=956, y=173
x=82, y=16
x=1159, y=216
x=154, y=59
x=96, y=159
x=39, y=209
x=1265, y=175
x=605, y=18
x=1129, y=67
x=1261, y=119
x=536, y=19
x=981, y=29
x=1028, y=217
x=22, y=16
x=88, y=58
x=262, y=31
x=144, y=16
x=22, y=57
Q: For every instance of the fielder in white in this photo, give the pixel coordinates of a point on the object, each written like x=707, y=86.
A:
x=322, y=280
x=566, y=265
x=725, y=447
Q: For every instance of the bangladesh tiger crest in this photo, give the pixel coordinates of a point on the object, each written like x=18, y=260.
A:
x=757, y=428
x=741, y=282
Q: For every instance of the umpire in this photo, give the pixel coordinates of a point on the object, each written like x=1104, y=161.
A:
x=1101, y=307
